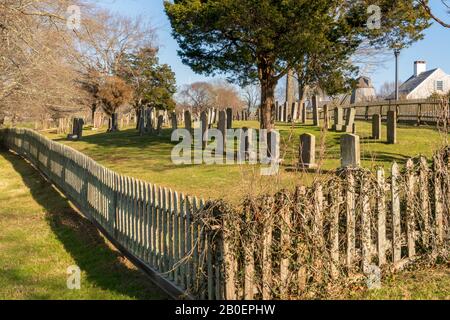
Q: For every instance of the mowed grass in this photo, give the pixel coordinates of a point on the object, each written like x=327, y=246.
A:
x=41, y=236
x=149, y=158
x=425, y=284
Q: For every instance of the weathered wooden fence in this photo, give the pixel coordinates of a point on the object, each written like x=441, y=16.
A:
x=152, y=223
x=298, y=244
x=286, y=246
x=418, y=112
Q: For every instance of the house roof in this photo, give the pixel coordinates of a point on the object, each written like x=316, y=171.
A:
x=413, y=82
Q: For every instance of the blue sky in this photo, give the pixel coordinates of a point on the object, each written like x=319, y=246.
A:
x=435, y=48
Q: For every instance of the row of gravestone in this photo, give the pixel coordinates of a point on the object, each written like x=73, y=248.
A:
x=348, y=125
x=349, y=146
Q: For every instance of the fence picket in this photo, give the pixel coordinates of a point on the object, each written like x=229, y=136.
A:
x=395, y=199
x=410, y=219
x=424, y=200
x=351, y=222
x=381, y=215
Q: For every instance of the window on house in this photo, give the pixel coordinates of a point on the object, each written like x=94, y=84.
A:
x=439, y=85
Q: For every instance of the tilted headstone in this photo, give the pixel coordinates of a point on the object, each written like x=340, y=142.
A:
x=315, y=110
x=392, y=127
x=350, y=115
x=350, y=151
x=307, y=151
x=229, y=118
x=376, y=126
x=188, y=120
x=338, y=119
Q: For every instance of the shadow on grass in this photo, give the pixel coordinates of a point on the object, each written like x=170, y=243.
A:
x=104, y=266
x=128, y=138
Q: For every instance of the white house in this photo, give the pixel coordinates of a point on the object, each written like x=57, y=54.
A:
x=423, y=83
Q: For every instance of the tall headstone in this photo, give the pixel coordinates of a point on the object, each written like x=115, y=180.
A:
x=229, y=118
x=350, y=151
x=350, y=115
x=290, y=88
x=204, y=126
x=392, y=127
x=160, y=124
x=326, y=117
x=315, y=110
x=376, y=126
x=174, y=121
x=294, y=113
x=188, y=120
x=338, y=119
x=222, y=125
x=307, y=151
x=285, y=112
x=303, y=113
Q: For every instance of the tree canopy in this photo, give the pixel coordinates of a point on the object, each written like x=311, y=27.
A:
x=251, y=40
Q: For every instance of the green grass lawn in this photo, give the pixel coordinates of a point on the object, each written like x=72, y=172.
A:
x=41, y=236
x=426, y=284
x=149, y=158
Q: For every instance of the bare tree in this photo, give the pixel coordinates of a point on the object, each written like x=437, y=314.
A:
x=252, y=97
x=197, y=96
x=386, y=90
x=425, y=4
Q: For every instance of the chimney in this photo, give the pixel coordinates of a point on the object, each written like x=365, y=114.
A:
x=419, y=67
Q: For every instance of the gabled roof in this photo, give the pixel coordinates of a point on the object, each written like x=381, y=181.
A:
x=413, y=82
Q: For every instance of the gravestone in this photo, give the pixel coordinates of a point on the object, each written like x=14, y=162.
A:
x=303, y=113
x=338, y=119
x=174, y=121
x=160, y=124
x=326, y=117
x=285, y=112
x=294, y=113
x=350, y=114
x=376, y=126
x=307, y=151
x=281, y=113
x=188, y=120
x=229, y=118
x=204, y=126
x=392, y=127
x=141, y=125
x=77, y=129
x=315, y=109
x=222, y=126
x=350, y=151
